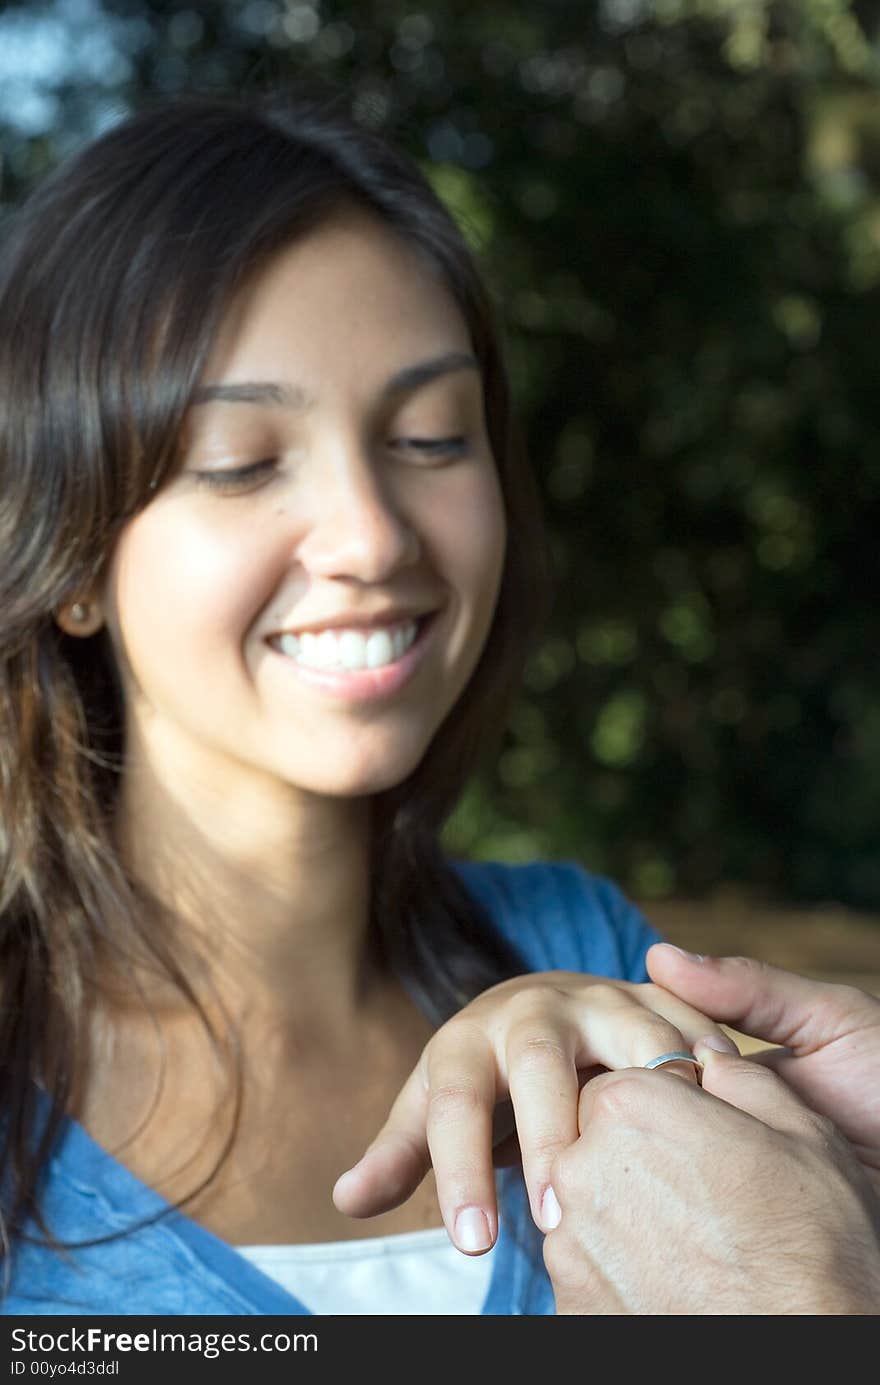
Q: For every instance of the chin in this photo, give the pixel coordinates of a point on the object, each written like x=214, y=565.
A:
x=371, y=775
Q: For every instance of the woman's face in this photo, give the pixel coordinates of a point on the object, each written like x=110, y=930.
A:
x=313, y=489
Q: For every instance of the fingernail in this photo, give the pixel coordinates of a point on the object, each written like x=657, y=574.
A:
x=472, y=1230
x=349, y=1172
x=551, y=1212
x=339, y=1185
x=691, y=956
x=719, y=1042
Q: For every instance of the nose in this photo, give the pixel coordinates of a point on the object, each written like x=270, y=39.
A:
x=358, y=527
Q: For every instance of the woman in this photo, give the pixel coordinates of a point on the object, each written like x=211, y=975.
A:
x=271, y=566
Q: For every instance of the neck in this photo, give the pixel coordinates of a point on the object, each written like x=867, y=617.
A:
x=266, y=892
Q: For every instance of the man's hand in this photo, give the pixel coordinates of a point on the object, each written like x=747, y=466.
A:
x=830, y=1034
x=731, y=1199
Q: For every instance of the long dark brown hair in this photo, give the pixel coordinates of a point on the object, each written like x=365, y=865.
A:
x=114, y=277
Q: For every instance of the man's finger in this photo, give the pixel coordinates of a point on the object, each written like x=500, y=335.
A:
x=754, y=1088
x=755, y=998
x=734, y=1090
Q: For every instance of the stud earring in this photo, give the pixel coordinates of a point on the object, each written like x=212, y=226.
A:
x=79, y=612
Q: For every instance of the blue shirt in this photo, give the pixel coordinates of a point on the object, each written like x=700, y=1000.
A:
x=557, y=916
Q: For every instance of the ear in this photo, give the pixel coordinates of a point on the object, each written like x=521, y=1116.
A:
x=80, y=618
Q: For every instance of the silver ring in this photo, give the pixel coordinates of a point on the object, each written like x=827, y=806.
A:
x=677, y=1056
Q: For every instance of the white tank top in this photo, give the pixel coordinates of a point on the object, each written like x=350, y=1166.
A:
x=416, y=1272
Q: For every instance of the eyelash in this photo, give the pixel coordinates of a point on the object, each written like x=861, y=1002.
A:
x=242, y=478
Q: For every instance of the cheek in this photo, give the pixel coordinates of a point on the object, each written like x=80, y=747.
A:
x=477, y=540
x=174, y=586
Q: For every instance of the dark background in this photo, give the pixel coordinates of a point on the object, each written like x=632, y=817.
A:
x=677, y=206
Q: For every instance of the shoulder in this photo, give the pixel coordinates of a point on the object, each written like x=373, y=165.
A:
x=559, y=916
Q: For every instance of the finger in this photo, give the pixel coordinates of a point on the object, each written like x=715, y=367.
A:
x=776, y=1006
x=617, y=1031
x=396, y=1161
x=647, y=1100
x=756, y=1089
x=543, y=1082
x=836, y=1088
x=734, y=1090
x=461, y=1093
x=691, y=1023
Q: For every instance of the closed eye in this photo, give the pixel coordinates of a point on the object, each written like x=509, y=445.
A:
x=452, y=446
x=234, y=478
x=244, y=478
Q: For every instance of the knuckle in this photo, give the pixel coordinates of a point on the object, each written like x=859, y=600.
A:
x=544, y=1146
x=535, y=1052
x=452, y=1102
x=606, y=995
x=525, y=1006
x=821, y=1131
x=540, y=1145
x=462, y=1027
x=752, y=965
x=617, y=1100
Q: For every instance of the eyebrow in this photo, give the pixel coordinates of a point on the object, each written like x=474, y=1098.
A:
x=295, y=397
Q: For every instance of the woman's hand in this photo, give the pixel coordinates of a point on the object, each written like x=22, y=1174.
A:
x=829, y=1034
x=534, y=1041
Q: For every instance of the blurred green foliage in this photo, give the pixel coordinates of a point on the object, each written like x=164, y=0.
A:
x=677, y=206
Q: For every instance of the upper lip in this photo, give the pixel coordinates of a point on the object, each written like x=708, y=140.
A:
x=357, y=621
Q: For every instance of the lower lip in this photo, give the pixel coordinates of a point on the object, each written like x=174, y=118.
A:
x=368, y=684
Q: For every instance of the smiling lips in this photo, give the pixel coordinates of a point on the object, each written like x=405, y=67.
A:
x=349, y=649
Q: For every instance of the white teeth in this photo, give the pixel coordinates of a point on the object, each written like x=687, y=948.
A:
x=349, y=649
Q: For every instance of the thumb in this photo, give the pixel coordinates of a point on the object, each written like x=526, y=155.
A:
x=396, y=1161
x=755, y=998
x=751, y=1087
